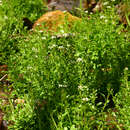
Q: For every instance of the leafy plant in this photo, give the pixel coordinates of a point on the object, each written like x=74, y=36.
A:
x=67, y=82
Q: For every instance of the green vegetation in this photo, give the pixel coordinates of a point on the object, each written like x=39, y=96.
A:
x=79, y=82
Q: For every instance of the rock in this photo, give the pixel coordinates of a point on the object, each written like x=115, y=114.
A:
x=70, y=5
x=63, y=5
x=52, y=21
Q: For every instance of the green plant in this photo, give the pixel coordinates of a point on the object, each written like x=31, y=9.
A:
x=95, y=57
x=23, y=115
x=122, y=101
x=62, y=79
x=11, y=24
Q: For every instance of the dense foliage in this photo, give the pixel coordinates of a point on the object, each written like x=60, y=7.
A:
x=68, y=82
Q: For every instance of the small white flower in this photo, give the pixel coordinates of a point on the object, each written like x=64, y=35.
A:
x=113, y=113
x=68, y=45
x=53, y=37
x=43, y=38
x=67, y=96
x=29, y=67
x=79, y=60
x=34, y=49
x=85, y=99
x=101, y=17
x=119, y=32
x=64, y=11
x=92, y=107
x=106, y=20
x=97, y=7
x=62, y=31
x=0, y=2
x=126, y=68
x=80, y=87
x=105, y=3
x=108, y=7
x=91, y=13
x=53, y=46
x=41, y=31
x=5, y=17
x=86, y=11
x=62, y=86
x=65, y=35
x=61, y=47
x=113, y=23
x=38, y=24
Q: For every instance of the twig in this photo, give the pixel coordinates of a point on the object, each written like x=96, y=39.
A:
x=3, y=77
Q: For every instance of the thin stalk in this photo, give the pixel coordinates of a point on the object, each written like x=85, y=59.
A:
x=53, y=120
